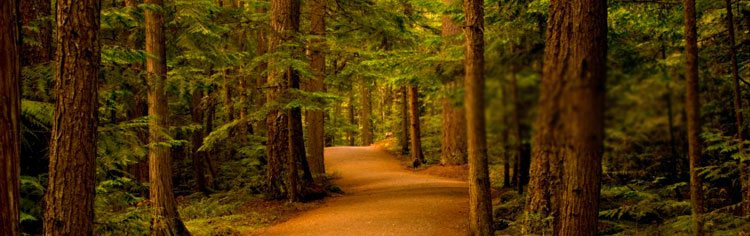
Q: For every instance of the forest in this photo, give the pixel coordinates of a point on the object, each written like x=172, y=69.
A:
x=374, y=117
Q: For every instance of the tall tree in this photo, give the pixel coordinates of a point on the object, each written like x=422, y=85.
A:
x=692, y=108
x=316, y=118
x=10, y=110
x=165, y=219
x=404, y=138
x=417, y=156
x=568, y=142
x=480, y=205
x=453, y=144
x=69, y=208
x=515, y=128
x=283, y=139
x=744, y=181
x=365, y=112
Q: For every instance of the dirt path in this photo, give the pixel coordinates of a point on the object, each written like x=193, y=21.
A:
x=382, y=198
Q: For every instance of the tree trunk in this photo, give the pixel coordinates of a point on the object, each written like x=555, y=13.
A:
x=34, y=13
x=404, y=138
x=417, y=156
x=453, y=144
x=165, y=218
x=69, y=208
x=365, y=112
x=316, y=118
x=208, y=128
x=282, y=132
x=352, y=120
x=515, y=124
x=744, y=181
x=480, y=206
x=10, y=119
x=569, y=133
x=197, y=140
x=296, y=135
x=692, y=107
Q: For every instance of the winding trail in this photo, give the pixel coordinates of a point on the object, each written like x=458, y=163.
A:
x=382, y=198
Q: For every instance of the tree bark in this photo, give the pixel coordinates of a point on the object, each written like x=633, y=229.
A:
x=453, y=143
x=744, y=181
x=417, y=156
x=404, y=138
x=282, y=136
x=569, y=133
x=10, y=119
x=316, y=118
x=165, y=218
x=365, y=112
x=69, y=208
x=480, y=206
x=692, y=107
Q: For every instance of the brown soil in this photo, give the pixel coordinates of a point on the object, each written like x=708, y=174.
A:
x=382, y=198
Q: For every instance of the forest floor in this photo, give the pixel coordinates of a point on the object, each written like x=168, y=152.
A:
x=381, y=197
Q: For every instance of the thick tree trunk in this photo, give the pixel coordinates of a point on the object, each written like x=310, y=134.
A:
x=10, y=119
x=692, y=107
x=404, y=138
x=284, y=128
x=480, y=206
x=569, y=133
x=316, y=118
x=365, y=112
x=417, y=156
x=165, y=218
x=296, y=135
x=453, y=143
x=744, y=181
x=69, y=208
x=34, y=13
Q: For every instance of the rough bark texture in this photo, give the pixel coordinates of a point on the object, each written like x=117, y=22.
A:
x=10, y=115
x=316, y=118
x=480, y=206
x=165, y=218
x=69, y=208
x=744, y=181
x=284, y=23
x=453, y=143
x=692, y=108
x=568, y=139
x=34, y=13
x=404, y=138
x=415, y=133
x=365, y=113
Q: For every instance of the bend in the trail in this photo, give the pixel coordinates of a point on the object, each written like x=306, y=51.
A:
x=382, y=198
